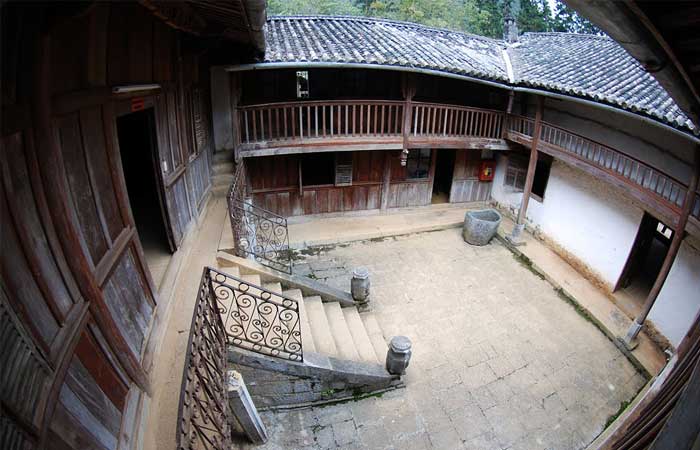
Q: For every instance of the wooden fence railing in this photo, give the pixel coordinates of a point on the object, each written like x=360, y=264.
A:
x=317, y=119
x=435, y=119
x=670, y=190
x=298, y=121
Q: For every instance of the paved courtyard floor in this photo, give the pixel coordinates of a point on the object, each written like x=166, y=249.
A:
x=499, y=360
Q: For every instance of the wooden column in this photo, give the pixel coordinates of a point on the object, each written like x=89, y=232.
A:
x=678, y=235
x=408, y=88
x=386, y=181
x=235, y=119
x=532, y=165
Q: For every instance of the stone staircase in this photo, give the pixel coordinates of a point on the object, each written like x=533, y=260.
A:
x=222, y=176
x=344, y=349
x=326, y=327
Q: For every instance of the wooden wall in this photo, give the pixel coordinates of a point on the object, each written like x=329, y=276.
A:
x=275, y=186
x=466, y=186
x=77, y=301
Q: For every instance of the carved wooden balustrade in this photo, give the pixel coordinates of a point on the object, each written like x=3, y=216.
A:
x=661, y=192
x=296, y=122
x=315, y=123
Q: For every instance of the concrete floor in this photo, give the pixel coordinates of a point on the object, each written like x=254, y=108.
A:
x=500, y=360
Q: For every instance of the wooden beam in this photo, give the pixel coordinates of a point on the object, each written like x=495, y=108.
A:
x=532, y=164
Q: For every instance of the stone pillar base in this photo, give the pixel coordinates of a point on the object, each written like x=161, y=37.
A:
x=515, y=237
x=630, y=340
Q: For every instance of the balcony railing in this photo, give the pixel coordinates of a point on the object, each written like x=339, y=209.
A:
x=435, y=119
x=298, y=121
x=634, y=172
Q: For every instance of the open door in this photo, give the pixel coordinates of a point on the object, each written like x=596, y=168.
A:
x=144, y=183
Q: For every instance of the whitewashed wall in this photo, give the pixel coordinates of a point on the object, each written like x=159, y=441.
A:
x=588, y=218
x=679, y=300
x=598, y=224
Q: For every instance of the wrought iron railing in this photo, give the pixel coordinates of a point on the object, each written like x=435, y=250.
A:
x=257, y=319
x=204, y=417
x=256, y=231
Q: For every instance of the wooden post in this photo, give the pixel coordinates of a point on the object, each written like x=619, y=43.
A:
x=514, y=238
x=679, y=233
x=408, y=88
x=386, y=182
x=235, y=115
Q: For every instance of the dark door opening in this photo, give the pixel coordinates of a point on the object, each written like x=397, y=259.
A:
x=137, y=145
x=444, y=169
x=645, y=260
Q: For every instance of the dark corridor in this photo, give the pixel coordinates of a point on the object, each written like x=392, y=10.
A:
x=444, y=169
x=137, y=145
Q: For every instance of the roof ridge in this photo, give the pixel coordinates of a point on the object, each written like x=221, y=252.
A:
x=564, y=33
x=383, y=20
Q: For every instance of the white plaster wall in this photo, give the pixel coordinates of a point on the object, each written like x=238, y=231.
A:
x=679, y=299
x=588, y=218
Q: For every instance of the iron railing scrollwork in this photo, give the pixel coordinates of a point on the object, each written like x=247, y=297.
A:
x=204, y=416
x=257, y=319
x=257, y=231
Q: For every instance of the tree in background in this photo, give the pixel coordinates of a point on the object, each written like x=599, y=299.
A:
x=482, y=17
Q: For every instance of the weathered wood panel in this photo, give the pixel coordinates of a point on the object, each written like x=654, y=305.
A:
x=90, y=401
x=466, y=186
x=126, y=296
x=410, y=194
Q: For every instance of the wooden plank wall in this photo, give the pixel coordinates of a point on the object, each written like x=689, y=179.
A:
x=76, y=298
x=466, y=186
x=275, y=186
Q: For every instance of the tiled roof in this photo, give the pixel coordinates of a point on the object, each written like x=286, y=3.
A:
x=370, y=41
x=593, y=67
x=585, y=66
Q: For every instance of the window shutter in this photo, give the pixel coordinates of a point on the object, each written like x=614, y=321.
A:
x=343, y=169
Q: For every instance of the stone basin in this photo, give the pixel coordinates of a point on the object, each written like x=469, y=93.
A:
x=480, y=226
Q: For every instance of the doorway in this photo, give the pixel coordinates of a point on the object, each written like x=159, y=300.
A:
x=644, y=263
x=444, y=170
x=137, y=145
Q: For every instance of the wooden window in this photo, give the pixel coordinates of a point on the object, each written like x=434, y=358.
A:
x=343, y=169
x=516, y=172
x=303, y=84
x=418, y=164
x=318, y=169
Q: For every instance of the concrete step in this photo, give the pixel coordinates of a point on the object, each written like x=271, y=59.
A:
x=307, y=340
x=376, y=336
x=224, y=156
x=320, y=330
x=222, y=179
x=274, y=287
x=252, y=279
x=341, y=332
x=223, y=168
x=363, y=344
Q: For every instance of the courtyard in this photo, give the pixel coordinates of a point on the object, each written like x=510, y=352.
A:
x=500, y=360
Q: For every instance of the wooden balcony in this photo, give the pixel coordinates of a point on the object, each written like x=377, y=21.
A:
x=660, y=193
x=294, y=127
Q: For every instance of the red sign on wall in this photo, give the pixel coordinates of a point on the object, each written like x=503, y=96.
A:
x=137, y=104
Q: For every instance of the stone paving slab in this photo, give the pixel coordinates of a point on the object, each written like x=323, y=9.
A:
x=500, y=361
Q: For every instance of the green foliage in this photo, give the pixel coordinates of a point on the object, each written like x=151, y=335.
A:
x=482, y=17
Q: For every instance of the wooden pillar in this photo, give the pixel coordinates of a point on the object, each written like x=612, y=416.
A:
x=386, y=181
x=408, y=88
x=235, y=120
x=678, y=235
x=532, y=164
